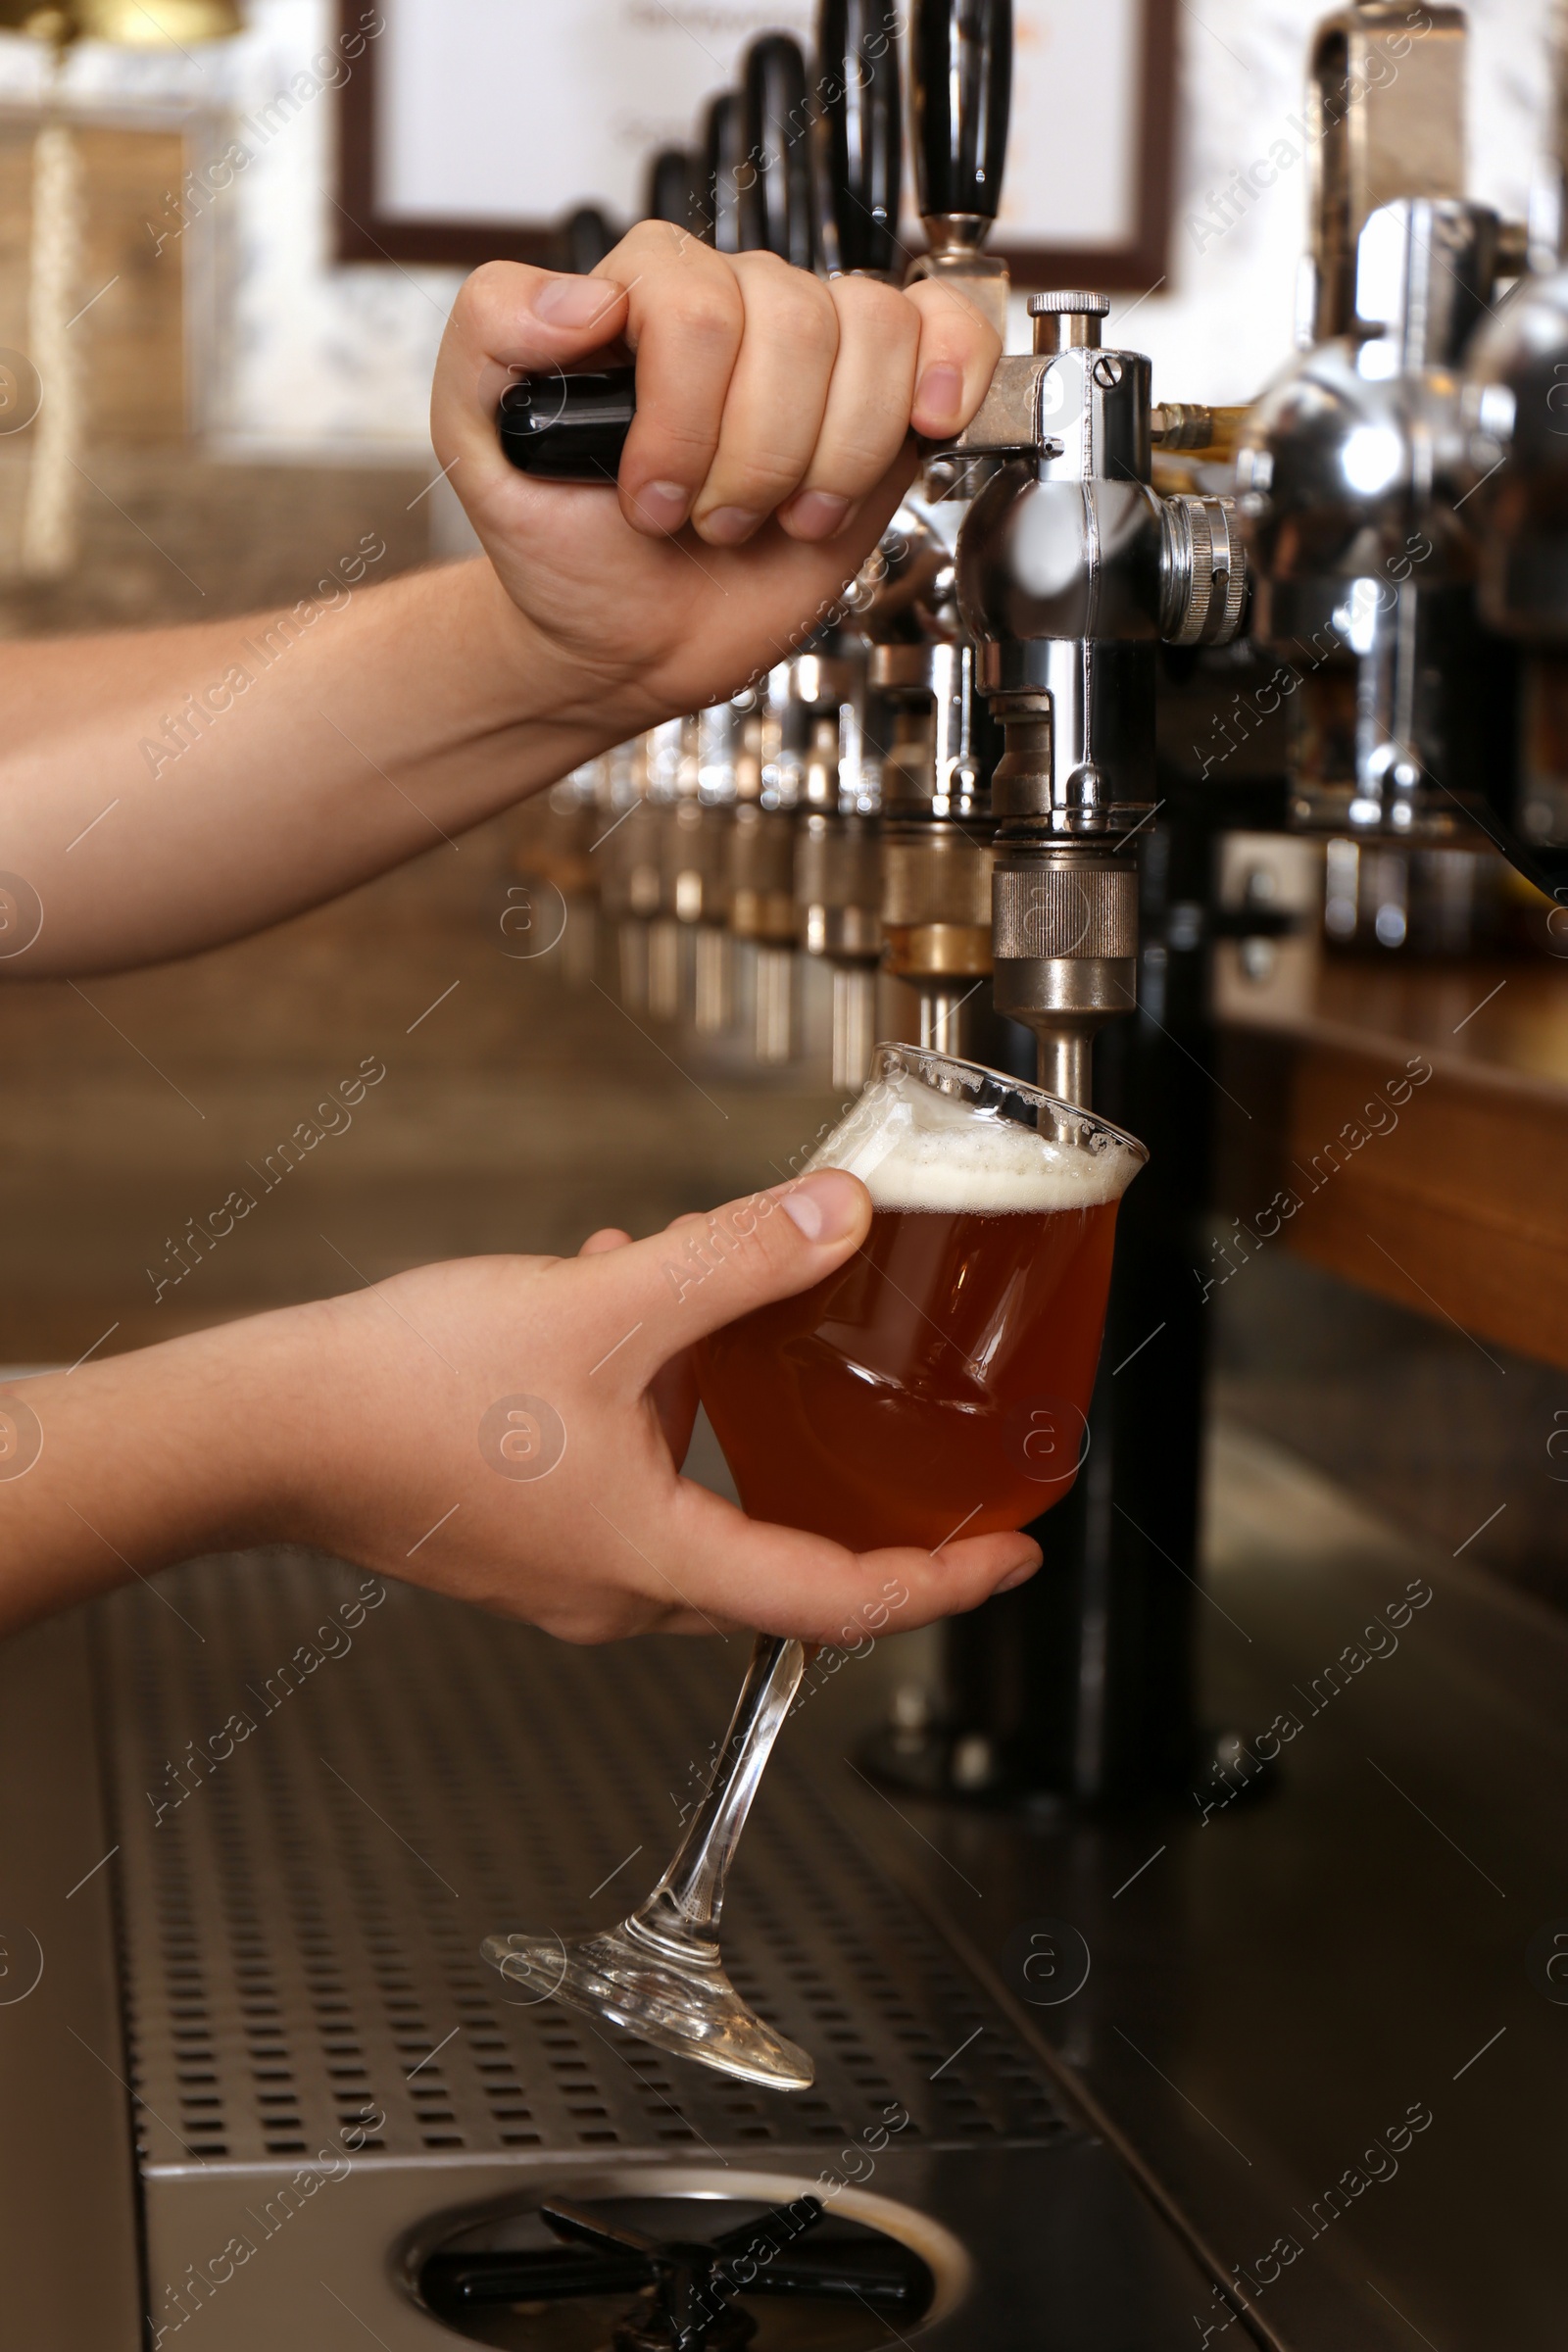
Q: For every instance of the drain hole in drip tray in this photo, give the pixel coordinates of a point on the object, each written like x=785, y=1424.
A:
x=708, y=2264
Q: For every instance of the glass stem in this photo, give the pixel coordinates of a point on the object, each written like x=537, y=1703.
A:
x=686, y=1901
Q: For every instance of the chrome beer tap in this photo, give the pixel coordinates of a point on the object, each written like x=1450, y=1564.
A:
x=859, y=156
x=626, y=857
x=1513, y=404
x=1392, y=514
x=691, y=786
x=668, y=805
x=1350, y=474
x=937, y=823
x=775, y=215
x=1071, y=569
x=837, y=851
x=554, y=848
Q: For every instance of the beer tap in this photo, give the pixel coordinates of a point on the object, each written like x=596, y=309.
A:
x=1071, y=569
x=937, y=826
x=1356, y=472
x=775, y=182
x=961, y=100
x=837, y=852
x=771, y=722
x=553, y=846
x=724, y=150
x=670, y=791
x=687, y=949
x=675, y=190
x=859, y=141
x=858, y=163
x=1080, y=1687
x=626, y=854
x=584, y=238
x=646, y=780
x=1516, y=367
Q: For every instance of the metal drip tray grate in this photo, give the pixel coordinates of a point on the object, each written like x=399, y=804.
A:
x=318, y=1820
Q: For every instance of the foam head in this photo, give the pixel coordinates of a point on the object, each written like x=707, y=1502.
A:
x=915, y=1147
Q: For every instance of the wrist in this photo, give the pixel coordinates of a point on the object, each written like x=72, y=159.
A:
x=541, y=683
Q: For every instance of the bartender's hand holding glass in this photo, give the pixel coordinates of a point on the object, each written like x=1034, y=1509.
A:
x=534, y=1413
x=932, y=1380
x=771, y=445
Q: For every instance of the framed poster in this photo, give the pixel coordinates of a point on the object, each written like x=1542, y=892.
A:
x=471, y=128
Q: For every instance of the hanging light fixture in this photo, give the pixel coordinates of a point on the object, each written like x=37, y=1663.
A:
x=58, y=231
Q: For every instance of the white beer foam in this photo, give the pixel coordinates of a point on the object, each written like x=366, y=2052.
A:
x=914, y=1149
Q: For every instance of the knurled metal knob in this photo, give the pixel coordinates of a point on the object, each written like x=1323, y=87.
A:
x=1070, y=305
x=1065, y=320
x=1203, y=571
x=1065, y=913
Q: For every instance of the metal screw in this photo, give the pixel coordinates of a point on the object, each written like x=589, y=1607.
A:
x=1107, y=371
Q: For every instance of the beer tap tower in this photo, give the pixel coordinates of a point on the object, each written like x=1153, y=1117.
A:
x=858, y=156
x=1071, y=570
x=1354, y=469
x=937, y=821
x=1357, y=473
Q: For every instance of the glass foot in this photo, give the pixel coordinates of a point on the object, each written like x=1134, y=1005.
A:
x=669, y=1990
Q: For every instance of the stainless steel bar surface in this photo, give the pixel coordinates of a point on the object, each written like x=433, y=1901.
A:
x=326, y=1792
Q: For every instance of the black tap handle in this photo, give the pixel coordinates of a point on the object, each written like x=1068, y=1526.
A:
x=673, y=193
x=776, y=170
x=584, y=238
x=961, y=98
x=568, y=428
x=857, y=58
x=723, y=146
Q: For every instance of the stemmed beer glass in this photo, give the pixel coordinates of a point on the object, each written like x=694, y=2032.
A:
x=937, y=1385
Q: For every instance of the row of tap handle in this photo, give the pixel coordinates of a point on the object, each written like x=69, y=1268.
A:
x=913, y=859
x=835, y=811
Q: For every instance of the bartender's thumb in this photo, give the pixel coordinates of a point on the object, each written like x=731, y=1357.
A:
x=703, y=1272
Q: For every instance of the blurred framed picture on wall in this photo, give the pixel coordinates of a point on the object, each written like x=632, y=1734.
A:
x=474, y=129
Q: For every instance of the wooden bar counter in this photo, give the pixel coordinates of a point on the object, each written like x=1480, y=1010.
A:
x=1404, y=1126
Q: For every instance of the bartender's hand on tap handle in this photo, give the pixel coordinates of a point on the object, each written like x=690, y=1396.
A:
x=506, y=1430
x=772, y=444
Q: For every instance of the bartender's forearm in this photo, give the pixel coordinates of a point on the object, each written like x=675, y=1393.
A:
x=123, y=1467
x=164, y=791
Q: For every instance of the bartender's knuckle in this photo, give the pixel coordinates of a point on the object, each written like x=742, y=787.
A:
x=755, y=477
x=642, y=242
x=800, y=313
x=952, y=325
x=684, y=444
x=877, y=309
x=861, y=453
x=706, y=315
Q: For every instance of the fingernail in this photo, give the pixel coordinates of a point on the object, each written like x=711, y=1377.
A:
x=1019, y=1576
x=663, y=503
x=825, y=1206
x=575, y=301
x=727, y=526
x=817, y=514
x=940, y=394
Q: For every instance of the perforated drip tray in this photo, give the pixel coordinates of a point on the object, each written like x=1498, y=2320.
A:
x=321, y=1806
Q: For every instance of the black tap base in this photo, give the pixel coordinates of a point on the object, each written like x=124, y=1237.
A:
x=1077, y=1689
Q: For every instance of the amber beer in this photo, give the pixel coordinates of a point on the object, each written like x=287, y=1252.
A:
x=938, y=1384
